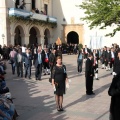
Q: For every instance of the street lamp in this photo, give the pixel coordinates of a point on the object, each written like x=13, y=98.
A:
x=3, y=36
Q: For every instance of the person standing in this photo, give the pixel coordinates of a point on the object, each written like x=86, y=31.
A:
x=114, y=92
x=52, y=61
x=104, y=57
x=19, y=62
x=59, y=81
x=89, y=74
x=112, y=59
x=116, y=67
x=12, y=59
x=27, y=59
x=108, y=60
x=38, y=61
x=80, y=61
x=95, y=65
x=86, y=51
x=24, y=48
x=46, y=62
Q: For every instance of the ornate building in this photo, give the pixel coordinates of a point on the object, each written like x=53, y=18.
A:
x=43, y=21
x=27, y=22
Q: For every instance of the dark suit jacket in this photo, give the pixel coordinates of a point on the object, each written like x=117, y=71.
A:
x=89, y=68
x=114, y=92
x=16, y=59
x=27, y=60
x=108, y=56
x=48, y=54
x=35, y=61
x=88, y=50
x=52, y=59
x=116, y=67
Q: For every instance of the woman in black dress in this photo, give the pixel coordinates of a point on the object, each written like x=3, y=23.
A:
x=59, y=81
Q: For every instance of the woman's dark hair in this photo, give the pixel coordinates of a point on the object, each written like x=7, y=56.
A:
x=58, y=57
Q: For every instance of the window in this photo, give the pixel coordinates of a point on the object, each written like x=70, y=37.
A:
x=45, y=9
x=17, y=3
x=33, y=4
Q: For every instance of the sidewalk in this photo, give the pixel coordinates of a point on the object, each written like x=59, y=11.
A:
x=35, y=100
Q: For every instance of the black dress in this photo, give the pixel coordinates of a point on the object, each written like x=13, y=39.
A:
x=114, y=92
x=59, y=75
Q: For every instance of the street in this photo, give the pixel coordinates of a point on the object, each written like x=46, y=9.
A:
x=34, y=100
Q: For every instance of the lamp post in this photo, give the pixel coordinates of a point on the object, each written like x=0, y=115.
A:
x=3, y=36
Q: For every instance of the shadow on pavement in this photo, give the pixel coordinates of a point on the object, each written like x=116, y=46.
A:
x=86, y=97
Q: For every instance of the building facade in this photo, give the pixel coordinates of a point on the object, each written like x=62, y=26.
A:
x=27, y=22
x=72, y=29
x=20, y=23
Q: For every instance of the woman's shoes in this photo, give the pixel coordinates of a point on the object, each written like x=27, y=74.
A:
x=60, y=109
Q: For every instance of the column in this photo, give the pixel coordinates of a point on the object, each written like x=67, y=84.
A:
x=22, y=39
x=12, y=38
x=38, y=39
x=26, y=39
x=42, y=41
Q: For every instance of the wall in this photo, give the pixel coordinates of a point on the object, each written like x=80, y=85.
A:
x=67, y=9
x=4, y=26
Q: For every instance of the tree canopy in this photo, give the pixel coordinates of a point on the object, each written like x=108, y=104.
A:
x=102, y=13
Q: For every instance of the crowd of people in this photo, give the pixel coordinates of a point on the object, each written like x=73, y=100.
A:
x=49, y=62
x=7, y=107
x=109, y=59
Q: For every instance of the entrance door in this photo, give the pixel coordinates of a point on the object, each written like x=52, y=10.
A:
x=33, y=36
x=72, y=38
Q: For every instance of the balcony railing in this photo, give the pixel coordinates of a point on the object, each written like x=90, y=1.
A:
x=24, y=13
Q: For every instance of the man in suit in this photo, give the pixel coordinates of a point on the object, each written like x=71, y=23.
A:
x=116, y=67
x=89, y=74
x=104, y=57
x=52, y=60
x=112, y=58
x=27, y=59
x=108, y=59
x=38, y=61
x=46, y=62
x=19, y=62
x=86, y=51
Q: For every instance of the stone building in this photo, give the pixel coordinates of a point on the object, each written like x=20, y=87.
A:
x=21, y=23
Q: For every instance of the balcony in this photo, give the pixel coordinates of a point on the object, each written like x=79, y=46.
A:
x=13, y=12
x=18, y=12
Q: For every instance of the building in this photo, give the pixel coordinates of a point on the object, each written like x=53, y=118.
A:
x=73, y=30
x=21, y=24
x=24, y=24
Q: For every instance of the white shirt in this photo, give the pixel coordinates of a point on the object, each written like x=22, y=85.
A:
x=46, y=56
x=86, y=50
x=19, y=57
x=23, y=49
x=112, y=55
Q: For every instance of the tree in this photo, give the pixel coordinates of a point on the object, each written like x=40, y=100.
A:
x=102, y=13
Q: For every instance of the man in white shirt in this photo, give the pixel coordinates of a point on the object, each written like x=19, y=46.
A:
x=24, y=48
x=19, y=62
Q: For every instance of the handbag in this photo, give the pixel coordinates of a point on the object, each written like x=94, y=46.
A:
x=11, y=61
x=46, y=60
